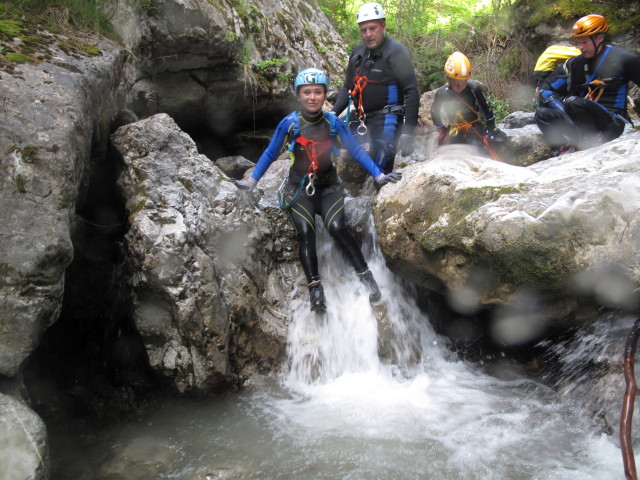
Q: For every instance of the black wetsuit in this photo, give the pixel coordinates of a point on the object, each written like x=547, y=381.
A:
x=466, y=116
x=392, y=82
x=328, y=198
x=601, y=116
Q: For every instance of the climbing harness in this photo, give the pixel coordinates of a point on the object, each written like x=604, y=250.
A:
x=359, y=82
x=597, y=84
x=314, y=150
x=464, y=128
x=595, y=90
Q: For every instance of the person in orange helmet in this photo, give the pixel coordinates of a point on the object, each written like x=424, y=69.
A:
x=584, y=101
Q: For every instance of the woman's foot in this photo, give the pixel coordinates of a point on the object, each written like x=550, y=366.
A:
x=316, y=297
x=366, y=277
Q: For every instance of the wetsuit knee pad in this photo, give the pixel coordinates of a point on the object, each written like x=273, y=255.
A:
x=574, y=105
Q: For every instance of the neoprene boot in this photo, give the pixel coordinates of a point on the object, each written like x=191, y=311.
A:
x=316, y=297
x=366, y=277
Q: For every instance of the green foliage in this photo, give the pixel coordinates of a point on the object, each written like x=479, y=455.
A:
x=501, y=108
x=18, y=58
x=622, y=16
x=28, y=30
x=11, y=28
x=342, y=15
x=87, y=15
x=274, y=62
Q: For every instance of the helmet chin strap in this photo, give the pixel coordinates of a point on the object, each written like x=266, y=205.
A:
x=598, y=48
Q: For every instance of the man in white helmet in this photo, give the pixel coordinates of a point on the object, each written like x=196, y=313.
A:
x=380, y=90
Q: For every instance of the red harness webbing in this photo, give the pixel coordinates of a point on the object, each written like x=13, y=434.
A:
x=314, y=150
x=359, y=84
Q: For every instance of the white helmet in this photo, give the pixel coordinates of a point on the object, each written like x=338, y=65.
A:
x=370, y=11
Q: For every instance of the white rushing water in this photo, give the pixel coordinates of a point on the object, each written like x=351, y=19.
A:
x=336, y=411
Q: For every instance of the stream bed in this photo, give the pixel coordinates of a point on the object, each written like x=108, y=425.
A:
x=335, y=410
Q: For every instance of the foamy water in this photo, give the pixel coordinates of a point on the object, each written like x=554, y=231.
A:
x=336, y=411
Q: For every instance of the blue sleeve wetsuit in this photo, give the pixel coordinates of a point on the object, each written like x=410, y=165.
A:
x=328, y=199
x=595, y=98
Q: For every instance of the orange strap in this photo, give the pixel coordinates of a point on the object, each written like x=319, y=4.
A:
x=359, y=83
x=595, y=90
x=461, y=127
x=314, y=150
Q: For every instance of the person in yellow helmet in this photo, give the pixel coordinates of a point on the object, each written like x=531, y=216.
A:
x=548, y=60
x=585, y=100
x=460, y=109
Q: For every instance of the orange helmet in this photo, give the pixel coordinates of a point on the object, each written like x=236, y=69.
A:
x=590, y=25
x=457, y=66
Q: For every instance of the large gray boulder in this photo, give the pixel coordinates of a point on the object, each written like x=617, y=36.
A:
x=53, y=115
x=489, y=233
x=213, y=272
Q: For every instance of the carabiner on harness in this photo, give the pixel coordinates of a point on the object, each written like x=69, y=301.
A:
x=310, y=189
x=362, y=128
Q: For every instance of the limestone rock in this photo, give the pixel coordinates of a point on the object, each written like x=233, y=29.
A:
x=535, y=227
x=203, y=258
x=53, y=115
x=234, y=166
x=23, y=442
x=215, y=66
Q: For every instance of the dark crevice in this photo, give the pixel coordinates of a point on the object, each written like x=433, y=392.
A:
x=91, y=364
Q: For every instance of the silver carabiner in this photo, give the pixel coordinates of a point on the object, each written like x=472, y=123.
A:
x=310, y=188
x=362, y=128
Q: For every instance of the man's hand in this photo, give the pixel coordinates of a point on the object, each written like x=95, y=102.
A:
x=496, y=136
x=392, y=177
x=407, y=144
x=442, y=133
x=247, y=184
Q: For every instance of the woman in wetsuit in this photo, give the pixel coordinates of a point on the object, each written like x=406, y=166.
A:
x=313, y=186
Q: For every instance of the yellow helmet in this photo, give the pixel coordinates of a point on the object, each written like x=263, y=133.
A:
x=457, y=66
x=589, y=25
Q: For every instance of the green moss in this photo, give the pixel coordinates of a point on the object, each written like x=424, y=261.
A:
x=20, y=184
x=29, y=153
x=139, y=206
x=18, y=58
x=274, y=62
x=188, y=184
x=91, y=50
x=11, y=28
x=470, y=199
x=28, y=30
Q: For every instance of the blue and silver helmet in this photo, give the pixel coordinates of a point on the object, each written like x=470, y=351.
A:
x=311, y=76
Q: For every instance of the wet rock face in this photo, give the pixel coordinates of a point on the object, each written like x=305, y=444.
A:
x=218, y=67
x=206, y=64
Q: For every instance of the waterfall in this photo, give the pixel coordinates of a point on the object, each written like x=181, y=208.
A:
x=340, y=410
x=345, y=339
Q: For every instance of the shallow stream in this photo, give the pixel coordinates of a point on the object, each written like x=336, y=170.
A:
x=336, y=411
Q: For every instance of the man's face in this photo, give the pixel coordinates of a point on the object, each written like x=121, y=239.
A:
x=372, y=32
x=588, y=46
